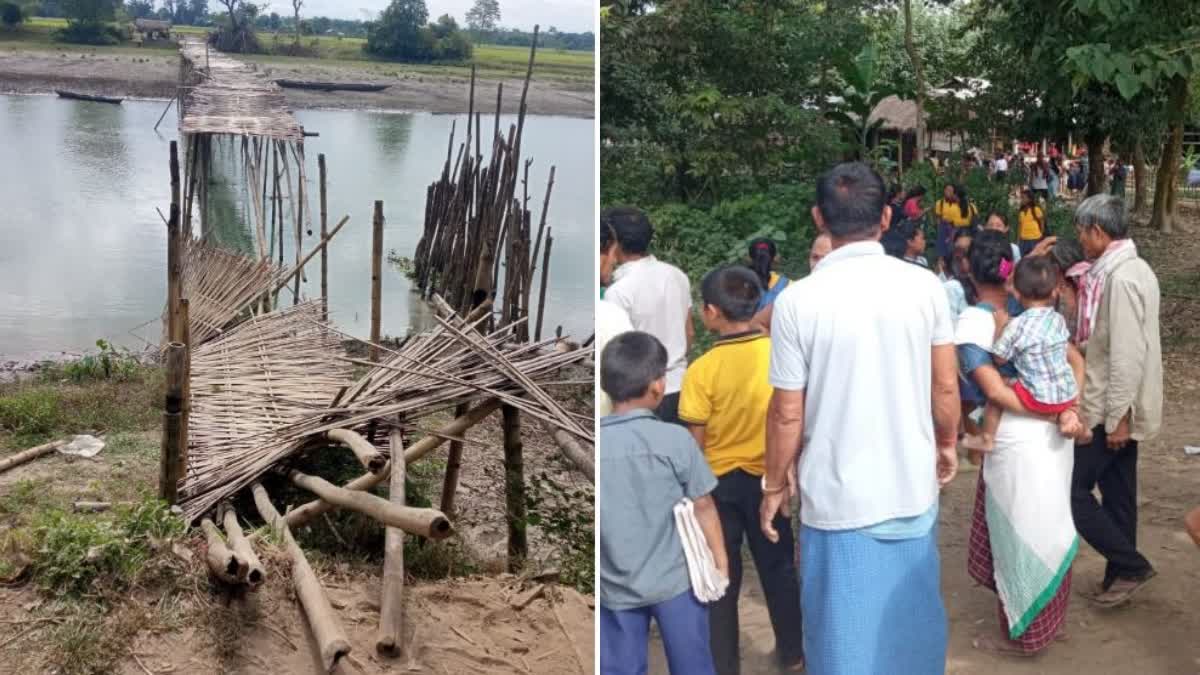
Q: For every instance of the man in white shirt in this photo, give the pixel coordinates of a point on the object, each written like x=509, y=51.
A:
x=656, y=296
x=866, y=393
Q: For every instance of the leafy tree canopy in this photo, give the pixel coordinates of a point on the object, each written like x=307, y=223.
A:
x=484, y=15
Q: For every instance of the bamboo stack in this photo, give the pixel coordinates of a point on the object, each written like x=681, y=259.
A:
x=476, y=225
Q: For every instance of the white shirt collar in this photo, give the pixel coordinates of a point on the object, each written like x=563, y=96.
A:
x=857, y=249
x=626, y=268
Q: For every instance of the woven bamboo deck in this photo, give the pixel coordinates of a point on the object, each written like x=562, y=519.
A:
x=226, y=96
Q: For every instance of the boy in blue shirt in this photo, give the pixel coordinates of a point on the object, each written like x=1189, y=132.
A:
x=647, y=467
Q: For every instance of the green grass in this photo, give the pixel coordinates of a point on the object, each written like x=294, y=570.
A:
x=491, y=61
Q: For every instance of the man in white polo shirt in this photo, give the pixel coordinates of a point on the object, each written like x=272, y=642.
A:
x=656, y=296
x=866, y=393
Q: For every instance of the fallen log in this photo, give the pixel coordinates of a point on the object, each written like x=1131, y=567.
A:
x=30, y=455
x=429, y=523
x=223, y=564
x=574, y=451
x=326, y=629
x=299, y=516
x=256, y=574
x=90, y=507
x=390, y=640
x=371, y=459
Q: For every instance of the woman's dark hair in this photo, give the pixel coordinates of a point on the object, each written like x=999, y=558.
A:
x=762, y=254
x=629, y=364
x=964, y=203
x=988, y=250
x=1032, y=200
x=1001, y=216
x=607, y=236
x=915, y=191
x=894, y=243
x=734, y=290
x=1066, y=253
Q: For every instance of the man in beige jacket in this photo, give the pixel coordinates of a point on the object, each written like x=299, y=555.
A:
x=1122, y=395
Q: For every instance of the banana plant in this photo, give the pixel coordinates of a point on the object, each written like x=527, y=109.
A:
x=861, y=93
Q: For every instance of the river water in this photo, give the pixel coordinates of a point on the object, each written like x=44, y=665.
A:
x=83, y=249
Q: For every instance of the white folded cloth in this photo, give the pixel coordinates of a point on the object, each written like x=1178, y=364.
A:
x=707, y=582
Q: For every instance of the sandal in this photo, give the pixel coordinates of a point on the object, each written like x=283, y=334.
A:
x=1122, y=590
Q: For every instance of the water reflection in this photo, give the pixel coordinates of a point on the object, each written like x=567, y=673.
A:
x=83, y=248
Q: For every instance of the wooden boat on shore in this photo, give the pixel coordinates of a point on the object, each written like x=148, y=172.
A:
x=86, y=97
x=331, y=86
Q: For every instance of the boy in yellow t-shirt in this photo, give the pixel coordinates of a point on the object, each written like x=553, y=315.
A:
x=724, y=402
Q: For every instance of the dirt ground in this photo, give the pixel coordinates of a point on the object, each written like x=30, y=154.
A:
x=464, y=625
x=155, y=75
x=1158, y=632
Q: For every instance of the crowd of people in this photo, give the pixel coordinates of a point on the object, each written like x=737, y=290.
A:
x=853, y=389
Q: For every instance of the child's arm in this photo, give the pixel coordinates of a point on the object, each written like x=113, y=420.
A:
x=697, y=431
x=710, y=523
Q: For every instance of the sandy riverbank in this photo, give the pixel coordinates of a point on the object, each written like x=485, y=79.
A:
x=154, y=75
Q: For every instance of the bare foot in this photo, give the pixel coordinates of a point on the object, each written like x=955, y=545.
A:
x=1193, y=524
x=990, y=644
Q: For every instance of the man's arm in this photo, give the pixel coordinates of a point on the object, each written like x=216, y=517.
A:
x=710, y=524
x=689, y=329
x=946, y=410
x=785, y=433
x=1126, y=354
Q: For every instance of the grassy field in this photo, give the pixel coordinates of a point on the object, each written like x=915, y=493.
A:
x=490, y=60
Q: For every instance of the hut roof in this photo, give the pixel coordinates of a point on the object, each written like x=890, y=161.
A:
x=227, y=96
x=896, y=113
x=151, y=24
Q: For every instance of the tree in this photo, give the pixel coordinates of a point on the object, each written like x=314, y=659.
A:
x=863, y=92
x=484, y=15
x=237, y=34
x=296, y=5
x=140, y=9
x=199, y=10
x=12, y=13
x=397, y=33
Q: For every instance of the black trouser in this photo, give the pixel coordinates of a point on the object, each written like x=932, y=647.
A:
x=1111, y=526
x=738, y=496
x=668, y=409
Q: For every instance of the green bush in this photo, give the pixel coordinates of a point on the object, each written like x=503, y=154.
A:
x=11, y=14
x=90, y=33
x=30, y=413
x=110, y=363
x=76, y=552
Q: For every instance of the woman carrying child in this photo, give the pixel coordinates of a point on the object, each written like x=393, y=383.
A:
x=724, y=401
x=1023, y=538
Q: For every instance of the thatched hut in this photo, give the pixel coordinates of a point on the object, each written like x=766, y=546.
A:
x=153, y=29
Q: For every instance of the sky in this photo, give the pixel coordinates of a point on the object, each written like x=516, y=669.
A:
x=573, y=16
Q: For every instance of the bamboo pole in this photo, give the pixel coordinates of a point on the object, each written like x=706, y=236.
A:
x=453, y=465
x=174, y=252
x=537, y=333
x=376, y=277
x=429, y=523
x=168, y=477
x=256, y=574
x=514, y=489
x=30, y=455
x=575, y=452
x=299, y=212
x=390, y=639
x=305, y=513
x=326, y=629
x=223, y=564
x=324, y=238
x=185, y=405
x=320, y=248
x=371, y=459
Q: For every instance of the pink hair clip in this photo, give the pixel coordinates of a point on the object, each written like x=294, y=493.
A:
x=1006, y=269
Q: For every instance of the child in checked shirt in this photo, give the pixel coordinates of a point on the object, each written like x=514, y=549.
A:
x=1035, y=347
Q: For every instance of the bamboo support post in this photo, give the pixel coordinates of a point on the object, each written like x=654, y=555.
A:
x=390, y=639
x=167, y=109
x=324, y=238
x=576, y=454
x=376, y=277
x=326, y=629
x=30, y=455
x=371, y=459
x=185, y=405
x=429, y=523
x=174, y=253
x=305, y=513
x=168, y=478
x=537, y=333
x=453, y=464
x=256, y=574
x=514, y=489
x=223, y=564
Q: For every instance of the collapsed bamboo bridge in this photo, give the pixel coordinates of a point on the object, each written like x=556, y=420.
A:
x=256, y=379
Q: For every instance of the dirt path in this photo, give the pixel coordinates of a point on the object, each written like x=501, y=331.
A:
x=155, y=74
x=1157, y=632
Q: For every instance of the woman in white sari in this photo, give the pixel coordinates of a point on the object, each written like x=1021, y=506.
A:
x=1023, y=538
